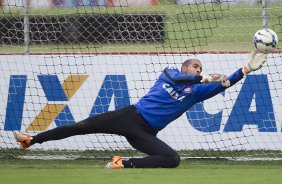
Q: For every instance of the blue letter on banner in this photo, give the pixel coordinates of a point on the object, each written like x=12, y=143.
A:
x=113, y=85
x=15, y=104
x=52, y=88
x=65, y=117
x=254, y=87
x=203, y=121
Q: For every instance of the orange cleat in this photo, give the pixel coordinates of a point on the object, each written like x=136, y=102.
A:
x=22, y=139
x=116, y=163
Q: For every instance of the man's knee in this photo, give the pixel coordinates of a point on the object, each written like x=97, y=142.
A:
x=174, y=160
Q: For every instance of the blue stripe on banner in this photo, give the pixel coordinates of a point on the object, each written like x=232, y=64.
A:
x=15, y=104
x=52, y=88
x=65, y=117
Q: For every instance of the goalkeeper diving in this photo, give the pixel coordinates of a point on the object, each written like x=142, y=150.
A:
x=174, y=92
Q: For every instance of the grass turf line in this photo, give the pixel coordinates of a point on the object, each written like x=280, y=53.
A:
x=192, y=172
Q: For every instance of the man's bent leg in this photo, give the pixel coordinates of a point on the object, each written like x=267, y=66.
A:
x=160, y=154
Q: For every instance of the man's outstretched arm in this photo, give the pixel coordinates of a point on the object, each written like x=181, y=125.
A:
x=210, y=90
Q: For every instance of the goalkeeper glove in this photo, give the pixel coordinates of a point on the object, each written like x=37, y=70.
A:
x=254, y=63
x=215, y=78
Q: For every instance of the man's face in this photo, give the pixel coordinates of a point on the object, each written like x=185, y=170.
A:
x=194, y=67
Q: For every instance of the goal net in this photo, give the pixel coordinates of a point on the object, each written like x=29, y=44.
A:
x=64, y=61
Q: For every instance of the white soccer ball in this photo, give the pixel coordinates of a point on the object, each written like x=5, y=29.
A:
x=265, y=40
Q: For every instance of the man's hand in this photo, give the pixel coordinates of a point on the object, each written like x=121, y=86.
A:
x=215, y=78
x=254, y=62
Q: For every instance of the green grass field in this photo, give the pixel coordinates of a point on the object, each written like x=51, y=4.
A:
x=91, y=171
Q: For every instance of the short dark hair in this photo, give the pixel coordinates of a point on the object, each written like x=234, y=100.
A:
x=188, y=61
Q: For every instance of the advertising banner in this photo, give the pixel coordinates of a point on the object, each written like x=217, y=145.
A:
x=41, y=92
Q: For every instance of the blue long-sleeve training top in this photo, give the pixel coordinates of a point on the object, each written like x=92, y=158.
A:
x=174, y=93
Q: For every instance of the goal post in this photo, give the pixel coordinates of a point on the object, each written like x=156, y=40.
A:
x=64, y=61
